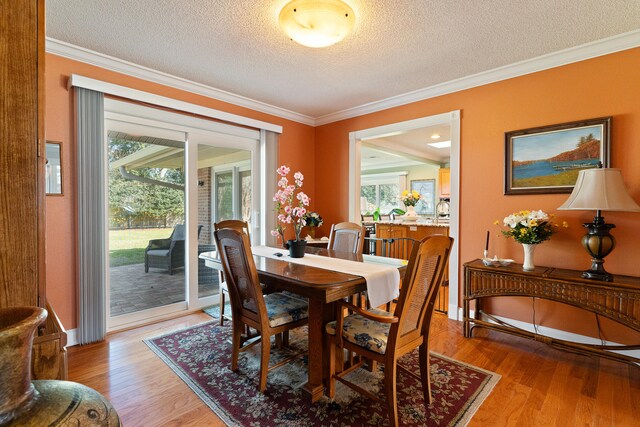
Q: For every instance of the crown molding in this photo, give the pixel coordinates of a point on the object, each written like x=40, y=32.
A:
x=556, y=59
x=91, y=57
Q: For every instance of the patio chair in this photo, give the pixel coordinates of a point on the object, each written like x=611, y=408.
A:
x=384, y=337
x=271, y=314
x=167, y=253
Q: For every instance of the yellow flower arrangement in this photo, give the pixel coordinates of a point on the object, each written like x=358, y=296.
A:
x=410, y=198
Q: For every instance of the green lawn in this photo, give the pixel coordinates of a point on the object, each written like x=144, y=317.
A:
x=127, y=246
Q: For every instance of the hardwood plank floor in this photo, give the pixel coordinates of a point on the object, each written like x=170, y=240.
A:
x=539, y=386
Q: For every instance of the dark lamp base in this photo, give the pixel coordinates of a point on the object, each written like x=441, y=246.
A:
x=598, y=275
x=599, y=243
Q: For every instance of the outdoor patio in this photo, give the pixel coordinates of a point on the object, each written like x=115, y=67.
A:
x=134, y=290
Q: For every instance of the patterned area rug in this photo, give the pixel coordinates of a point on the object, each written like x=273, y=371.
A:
x=200, y=355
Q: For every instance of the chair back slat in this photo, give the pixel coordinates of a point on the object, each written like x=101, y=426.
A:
x=419, y=289
x=347, y=237
x=240, y=273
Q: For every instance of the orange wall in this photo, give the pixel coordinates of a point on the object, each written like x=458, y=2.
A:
x=296, y=142
x=604, y=86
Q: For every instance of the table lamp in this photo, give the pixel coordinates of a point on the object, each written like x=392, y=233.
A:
x=599, y=189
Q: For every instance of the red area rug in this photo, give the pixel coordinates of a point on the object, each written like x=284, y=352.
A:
x=200, y=355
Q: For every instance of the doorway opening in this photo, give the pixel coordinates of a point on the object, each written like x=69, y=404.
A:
x=387, y=160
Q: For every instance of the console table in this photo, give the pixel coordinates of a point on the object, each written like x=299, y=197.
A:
x=618, y=300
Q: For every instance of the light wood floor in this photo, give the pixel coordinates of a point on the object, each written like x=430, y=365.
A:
x=540, y=386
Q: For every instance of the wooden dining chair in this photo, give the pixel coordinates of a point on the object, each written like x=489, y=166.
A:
x=270, y=314
x=243, y=227
x=384, y=337
x=347, y=237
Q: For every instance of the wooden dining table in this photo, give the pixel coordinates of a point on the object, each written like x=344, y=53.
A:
x=323, y=288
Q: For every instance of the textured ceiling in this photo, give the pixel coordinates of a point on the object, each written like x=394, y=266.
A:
x=397, y=46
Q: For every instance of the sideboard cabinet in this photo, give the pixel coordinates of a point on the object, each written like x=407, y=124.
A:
x=618, y=300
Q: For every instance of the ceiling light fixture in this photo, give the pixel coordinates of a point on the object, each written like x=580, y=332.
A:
x=435, y=136
x=317, y=23
x=441, y=144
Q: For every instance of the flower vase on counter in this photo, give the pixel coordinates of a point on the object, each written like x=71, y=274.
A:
x=409, y=199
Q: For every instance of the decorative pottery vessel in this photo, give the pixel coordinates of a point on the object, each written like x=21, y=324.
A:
x=45, y=402
x=296, y=248
x=17, y=327
x=528, y=264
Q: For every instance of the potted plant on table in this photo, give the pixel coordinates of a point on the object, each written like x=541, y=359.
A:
x=291, y=208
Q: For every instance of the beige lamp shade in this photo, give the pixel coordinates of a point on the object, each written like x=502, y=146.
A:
x=316, y=23
x=600, y=189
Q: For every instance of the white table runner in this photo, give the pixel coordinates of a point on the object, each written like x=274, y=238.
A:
x=383, y=281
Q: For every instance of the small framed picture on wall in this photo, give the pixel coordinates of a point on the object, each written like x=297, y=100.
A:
x=53, y=168
x=427, y=189
x=547, y=159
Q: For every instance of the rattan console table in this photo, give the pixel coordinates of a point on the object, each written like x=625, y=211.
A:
x=618, y=300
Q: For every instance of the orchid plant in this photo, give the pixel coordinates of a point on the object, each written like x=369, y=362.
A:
x=290, y=203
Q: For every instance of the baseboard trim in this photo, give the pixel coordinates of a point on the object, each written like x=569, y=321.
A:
x=557, y=333
x=72, y=337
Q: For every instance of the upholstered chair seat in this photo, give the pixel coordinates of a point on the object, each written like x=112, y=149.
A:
x=366, y=333
x=283, y=309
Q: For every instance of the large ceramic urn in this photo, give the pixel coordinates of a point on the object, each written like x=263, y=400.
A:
x=41, y=403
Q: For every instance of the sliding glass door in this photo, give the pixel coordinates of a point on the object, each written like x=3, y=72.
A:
x=170, y=177
x=146, y=222
x=224, y=190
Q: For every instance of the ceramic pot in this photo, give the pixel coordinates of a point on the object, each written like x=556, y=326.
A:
x=528, y=264
x=411, y=211
x=312, y=232
x=46, y=402
x=296, y=248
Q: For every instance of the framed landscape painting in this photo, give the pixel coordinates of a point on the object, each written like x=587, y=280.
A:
x=427, y=189
x=547, y=159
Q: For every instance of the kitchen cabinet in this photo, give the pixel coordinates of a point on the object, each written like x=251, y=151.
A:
x=444, y=178
x=401, y=248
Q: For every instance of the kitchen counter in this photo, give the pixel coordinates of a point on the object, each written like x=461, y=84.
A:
x=410, y=223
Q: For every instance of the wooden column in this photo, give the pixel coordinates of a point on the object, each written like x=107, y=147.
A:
x=21, y=152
